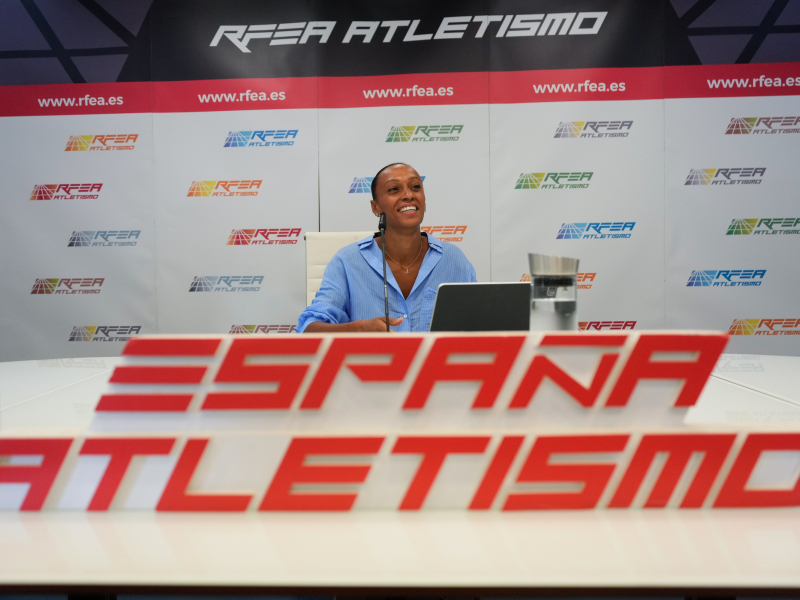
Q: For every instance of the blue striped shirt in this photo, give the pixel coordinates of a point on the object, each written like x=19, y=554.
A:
x=352, y=287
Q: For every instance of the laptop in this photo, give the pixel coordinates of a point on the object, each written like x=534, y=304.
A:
x=482, y=307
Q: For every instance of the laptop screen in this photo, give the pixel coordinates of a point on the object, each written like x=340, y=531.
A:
x=482, y=307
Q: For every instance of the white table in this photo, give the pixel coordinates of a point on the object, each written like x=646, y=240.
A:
x=682, y=551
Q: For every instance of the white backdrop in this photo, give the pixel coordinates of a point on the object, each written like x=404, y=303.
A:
x=698, y=218
x=35, y=235
x=624, y=186
x=193, y=232
x=639, y=282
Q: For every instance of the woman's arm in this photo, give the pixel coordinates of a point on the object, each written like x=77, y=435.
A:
x=329, y=311
x=376, y=324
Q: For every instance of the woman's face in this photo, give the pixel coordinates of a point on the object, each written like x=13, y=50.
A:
x=401, y=196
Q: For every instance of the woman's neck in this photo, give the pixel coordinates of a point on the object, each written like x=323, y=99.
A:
x=403, y=245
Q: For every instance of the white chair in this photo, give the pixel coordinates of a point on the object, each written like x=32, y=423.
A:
x=320, y=248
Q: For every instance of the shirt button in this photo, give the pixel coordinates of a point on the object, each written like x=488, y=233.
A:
x=405, y=316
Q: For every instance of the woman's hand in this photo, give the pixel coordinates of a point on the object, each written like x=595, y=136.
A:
x=376, y=324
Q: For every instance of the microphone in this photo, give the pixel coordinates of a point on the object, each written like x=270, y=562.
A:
x=382, y=230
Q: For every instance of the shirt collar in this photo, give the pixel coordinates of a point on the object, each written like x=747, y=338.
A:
x=432, y=242
x=374, y=260
x=366, y=242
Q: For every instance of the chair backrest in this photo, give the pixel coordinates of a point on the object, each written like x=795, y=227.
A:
x=320, y=248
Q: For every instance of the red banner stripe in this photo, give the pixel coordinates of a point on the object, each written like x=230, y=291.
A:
x=144, y=403
x=583, y=339
x=155, y=375
x=569, y=85
x=171, y=347
x=76, y=99
x=725, y=81
x=421, y=89
x=234, y=94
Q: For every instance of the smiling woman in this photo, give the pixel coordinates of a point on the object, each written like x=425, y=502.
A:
x=351, y=295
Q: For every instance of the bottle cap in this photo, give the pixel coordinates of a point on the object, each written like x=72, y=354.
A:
x=547, y=264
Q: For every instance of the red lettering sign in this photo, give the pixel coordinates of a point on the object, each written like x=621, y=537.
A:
x=496, y=473
x=680, y=448
x=121, y=451
x=292, y=470
x=492, y=375
x=695, y=373
x=235, y=369
x=592, y=477
x=41, y=476
x=175, y=497
x=434, y=450
x=401, y=349
x=734, y=493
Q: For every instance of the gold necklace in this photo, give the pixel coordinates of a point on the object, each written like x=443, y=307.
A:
x=412, y=262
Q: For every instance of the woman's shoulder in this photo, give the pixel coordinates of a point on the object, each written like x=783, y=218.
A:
x=352, y=251
x=454, y=261
x=448, y=249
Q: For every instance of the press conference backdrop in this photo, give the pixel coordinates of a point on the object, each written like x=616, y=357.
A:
x=162, y=160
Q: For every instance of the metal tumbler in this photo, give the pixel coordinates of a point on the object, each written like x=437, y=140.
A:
x=554, y=303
